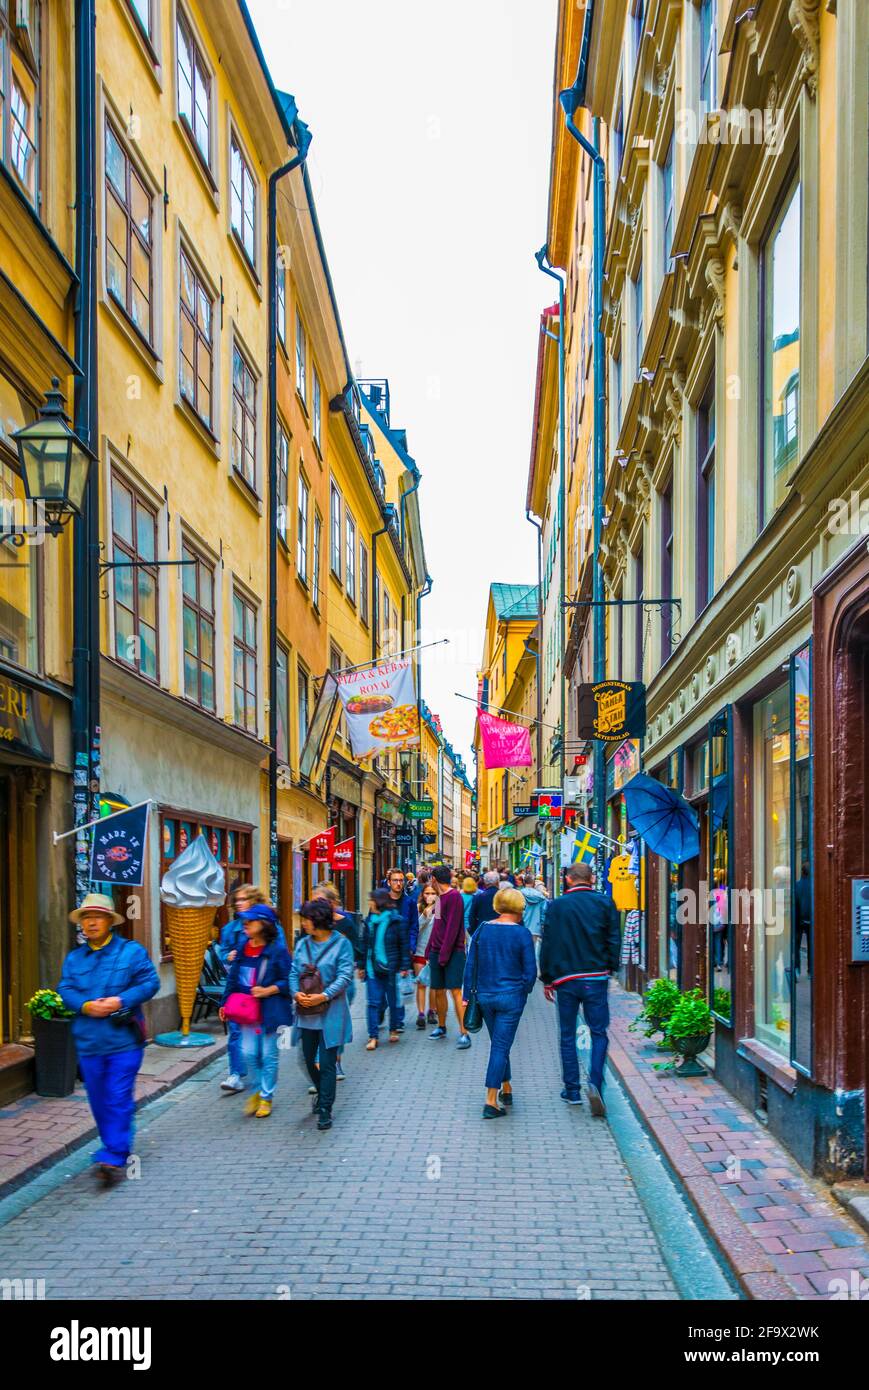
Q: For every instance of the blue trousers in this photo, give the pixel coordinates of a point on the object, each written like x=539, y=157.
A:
x=382, y=990
x=501, y=1014
x=261, y=1055
x=235, y=1051
x=592, y=995
x=110, y=1080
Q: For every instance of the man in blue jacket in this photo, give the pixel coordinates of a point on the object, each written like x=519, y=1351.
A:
x=581, y=941
x=406, y=908
x=105, y=982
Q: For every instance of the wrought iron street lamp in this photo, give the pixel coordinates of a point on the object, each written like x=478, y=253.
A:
x=54, y=462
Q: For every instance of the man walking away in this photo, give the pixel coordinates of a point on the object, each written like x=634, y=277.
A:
x=482, y=908
x=580, y=948
x=445, y=954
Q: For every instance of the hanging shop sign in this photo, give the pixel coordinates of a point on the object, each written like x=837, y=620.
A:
x=550, y=805
x=344, y=857
x=380, y=705
x=507, y=832
x=505, y=744
x=118, y=847
x=419, y=810
x=612, y=710
x=522, y=808
x=26, y=720
x=429, y=839
x=404, y=837
x=321, y=846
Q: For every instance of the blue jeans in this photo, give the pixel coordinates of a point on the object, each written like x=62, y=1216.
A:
x=110, y=1080
x=260, y=1052
x=592, y=995
x=234, y=1050
x=382, y=990
x=501, y=1013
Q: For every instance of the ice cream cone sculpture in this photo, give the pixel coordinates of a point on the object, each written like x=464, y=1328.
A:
x=192, y=889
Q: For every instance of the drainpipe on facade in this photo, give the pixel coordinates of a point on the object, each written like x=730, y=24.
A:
x=538, y=526
x=375, y=626
x=423, y=593
x=86, y=528
x=540, y=257
x=303, y=138
x=571, y=100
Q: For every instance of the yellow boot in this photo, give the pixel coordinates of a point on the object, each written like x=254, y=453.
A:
x=252, y=1105
x=264, y=1109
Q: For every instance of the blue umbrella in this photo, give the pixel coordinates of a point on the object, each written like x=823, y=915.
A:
x=663, y=818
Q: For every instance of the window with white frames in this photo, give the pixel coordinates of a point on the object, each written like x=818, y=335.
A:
x=281, y=302
x=242, y=200
x=780, y=305
x=304, y=704
x=316, y=560
x=350, y=556
x=303, y=504
x=244, y=672
x=142, y=10
x=335, y=531
x=20, y=63
x=194, y=89
x=708, y=55
x=282, y=694
x=283, y=484
x=301, y=358
x=197, y=342
x=244, y=405
x=638, y=319
x=667, y=210
x=316, y=407
x=363, y=583
x=129, y=267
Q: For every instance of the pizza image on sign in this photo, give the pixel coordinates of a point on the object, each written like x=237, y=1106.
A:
x=380, y=706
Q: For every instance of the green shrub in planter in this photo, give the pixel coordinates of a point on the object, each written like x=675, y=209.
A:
x=689, y=1029
x=56, y=1061
x=659, y=1001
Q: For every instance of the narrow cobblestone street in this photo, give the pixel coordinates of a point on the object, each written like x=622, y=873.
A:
x=410, y=1195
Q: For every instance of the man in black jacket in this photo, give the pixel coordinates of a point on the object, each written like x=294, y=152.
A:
x=581, y=941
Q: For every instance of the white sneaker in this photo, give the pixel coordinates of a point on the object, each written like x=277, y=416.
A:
x=232, y=1083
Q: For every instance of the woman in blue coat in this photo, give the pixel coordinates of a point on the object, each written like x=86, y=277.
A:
x=323, y=1024
x=502, y=968
x=261, y=968
x=232, y=940
x=105, y=982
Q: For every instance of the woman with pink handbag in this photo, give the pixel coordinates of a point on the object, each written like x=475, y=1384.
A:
x=257, y=998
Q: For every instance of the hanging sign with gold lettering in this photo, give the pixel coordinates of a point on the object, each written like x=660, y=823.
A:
x=612, y=710
x=26, y=720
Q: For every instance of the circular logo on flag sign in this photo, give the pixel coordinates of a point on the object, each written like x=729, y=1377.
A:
x=118, y=854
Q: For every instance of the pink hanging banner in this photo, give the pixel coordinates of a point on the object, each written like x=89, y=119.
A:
x=504, y=744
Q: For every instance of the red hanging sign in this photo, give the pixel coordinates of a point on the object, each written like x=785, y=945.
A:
x=321, y=846
x=344, y=856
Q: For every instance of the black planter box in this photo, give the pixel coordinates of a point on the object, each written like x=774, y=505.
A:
x=56, y=1061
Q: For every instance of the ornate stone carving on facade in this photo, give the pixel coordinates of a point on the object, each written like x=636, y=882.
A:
x=804, y=21
x=758, y=622
x=673, y=401
x=695, y=686
x=793, y=584
x=662, y=73
x=683, y=700
x=732, y=649
x=715, y=281
x=710, y=670
x=35, y=784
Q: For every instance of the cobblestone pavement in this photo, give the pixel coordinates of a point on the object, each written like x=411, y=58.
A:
x=410, y=1195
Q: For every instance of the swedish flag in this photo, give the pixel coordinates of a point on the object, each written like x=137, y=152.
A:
x=585, y=846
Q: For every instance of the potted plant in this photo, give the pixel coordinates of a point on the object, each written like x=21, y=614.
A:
x=688, y=1031
x=56, y=1062
x=658, y=1003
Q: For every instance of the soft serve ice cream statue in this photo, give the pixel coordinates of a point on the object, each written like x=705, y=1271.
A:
x=195, y=879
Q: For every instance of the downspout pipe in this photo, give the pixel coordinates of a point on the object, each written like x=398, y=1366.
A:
x=375, y=626
x=538, y=526
x=423, y=593
x=86, y=528
x=571, y=100
x=304, y=140
x=541, y=256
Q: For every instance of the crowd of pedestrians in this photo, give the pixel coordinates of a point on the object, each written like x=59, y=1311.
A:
x=481, y=943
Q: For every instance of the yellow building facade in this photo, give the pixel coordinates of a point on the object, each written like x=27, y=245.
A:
x=37, y=344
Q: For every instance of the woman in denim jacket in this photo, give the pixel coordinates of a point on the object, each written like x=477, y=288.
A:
x=322, y=1035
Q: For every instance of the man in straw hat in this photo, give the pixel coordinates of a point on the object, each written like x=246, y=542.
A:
x=105, y=982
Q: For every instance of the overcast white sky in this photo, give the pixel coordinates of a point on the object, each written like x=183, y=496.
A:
x=429, y=164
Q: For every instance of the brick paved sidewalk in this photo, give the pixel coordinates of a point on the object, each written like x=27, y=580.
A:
x=411, y=1194
x=36, y=1131
x=780, y=1231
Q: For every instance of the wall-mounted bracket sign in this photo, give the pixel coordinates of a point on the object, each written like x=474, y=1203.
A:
x=612, y=710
